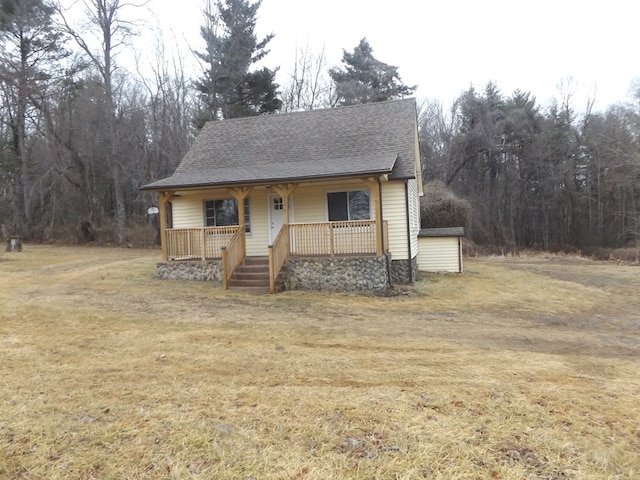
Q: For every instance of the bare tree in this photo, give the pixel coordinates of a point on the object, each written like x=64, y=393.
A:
x=549, y=178
x=309, y=86
x=113, y=34
x=170, y=108
x=437, y=128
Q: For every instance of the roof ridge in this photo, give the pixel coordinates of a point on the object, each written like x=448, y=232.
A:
x=308, y=112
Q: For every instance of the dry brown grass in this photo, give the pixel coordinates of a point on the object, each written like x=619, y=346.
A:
x=520, y=368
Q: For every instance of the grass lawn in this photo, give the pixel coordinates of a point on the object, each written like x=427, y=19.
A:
x=521, y=368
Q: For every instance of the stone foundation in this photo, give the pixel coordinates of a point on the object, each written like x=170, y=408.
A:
x=337, y=273
x=400, y=272
x=313, y=273
x=209, y=271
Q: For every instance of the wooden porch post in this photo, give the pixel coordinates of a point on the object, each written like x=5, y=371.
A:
x=285, y=192
x=225, y=268
x=164, y=198
x=282, y=242
x=240, y=194
x=375, y=192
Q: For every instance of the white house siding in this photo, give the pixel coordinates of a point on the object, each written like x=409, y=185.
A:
x=309, y=205
x=394, y=207
x=414, y=215
x=439, y=254
x=310, y=200
x=258, y=239
x=188, y=212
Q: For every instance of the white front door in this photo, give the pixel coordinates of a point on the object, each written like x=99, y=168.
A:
x=276, y=215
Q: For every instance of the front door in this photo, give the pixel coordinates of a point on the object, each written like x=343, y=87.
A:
x=276, y=215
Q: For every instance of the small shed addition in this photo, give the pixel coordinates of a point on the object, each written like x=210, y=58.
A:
x=440, y=249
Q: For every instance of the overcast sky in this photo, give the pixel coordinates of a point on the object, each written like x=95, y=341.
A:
x=444, y=46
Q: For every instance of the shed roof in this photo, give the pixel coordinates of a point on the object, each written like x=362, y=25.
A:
x=375, y=138
x=441, y=232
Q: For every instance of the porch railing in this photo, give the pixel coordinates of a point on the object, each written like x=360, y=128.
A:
x=198, y=243
x=304, y=239
x=354, y=237
x=278, y=255
x=232, y=256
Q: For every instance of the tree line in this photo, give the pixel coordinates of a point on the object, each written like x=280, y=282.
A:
x=80, y=133
x=534, y=177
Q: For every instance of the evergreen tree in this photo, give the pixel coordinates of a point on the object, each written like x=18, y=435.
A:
x=365, y=79
x=31, y=45
x=229, y=88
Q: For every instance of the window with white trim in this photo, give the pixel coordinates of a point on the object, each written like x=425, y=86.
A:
x=224, y=212
x=349, y=205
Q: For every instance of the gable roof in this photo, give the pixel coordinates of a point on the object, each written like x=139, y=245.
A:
x=360, y=140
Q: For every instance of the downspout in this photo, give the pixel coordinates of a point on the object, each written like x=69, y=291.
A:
x=382, y=231
x=406, y=198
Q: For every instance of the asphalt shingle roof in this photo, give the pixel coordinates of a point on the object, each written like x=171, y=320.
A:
x=375, y=138
x=442, y=232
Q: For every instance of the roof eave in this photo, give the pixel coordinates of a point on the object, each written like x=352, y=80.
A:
x=271, y=181
x=402, y=177
x=441, y=232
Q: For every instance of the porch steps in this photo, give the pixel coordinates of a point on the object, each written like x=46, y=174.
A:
x=254, y=276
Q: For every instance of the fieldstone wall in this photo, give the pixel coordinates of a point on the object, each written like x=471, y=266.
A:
x=208, y=271
x=337, y=273
x=318, y=273
x=400, y=272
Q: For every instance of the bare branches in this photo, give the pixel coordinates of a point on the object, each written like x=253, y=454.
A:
x=309, y=85
x=103, y=32
x=554, y=179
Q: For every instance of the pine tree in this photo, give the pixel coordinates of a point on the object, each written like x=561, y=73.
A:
x=31, y=45
x=365, y=79
x=229, y=88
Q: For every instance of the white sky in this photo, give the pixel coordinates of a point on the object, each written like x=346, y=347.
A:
x=444, y=46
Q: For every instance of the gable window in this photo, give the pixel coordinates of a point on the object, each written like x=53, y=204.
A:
x=351, y=205
x=224, y=213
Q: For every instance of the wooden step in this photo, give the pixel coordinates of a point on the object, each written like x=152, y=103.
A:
x=254, y=285
x=253, y=268
x=252, y=289
x=243, y=282
x=254, y=276
x=244, y=275
x=256, y=261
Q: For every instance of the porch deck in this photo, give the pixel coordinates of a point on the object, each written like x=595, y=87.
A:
x=356, y=237
x=323, y=239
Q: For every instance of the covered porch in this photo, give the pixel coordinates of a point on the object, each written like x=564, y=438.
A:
x=357, y=237
x=228, y=244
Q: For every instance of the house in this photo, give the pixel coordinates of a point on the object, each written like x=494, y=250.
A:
x=440, y=249
x=324, y=199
